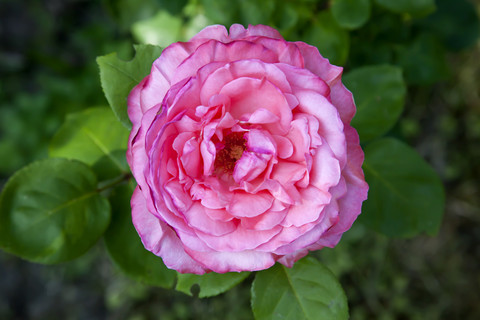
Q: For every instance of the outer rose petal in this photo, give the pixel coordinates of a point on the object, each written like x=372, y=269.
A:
x=216, y=32
x=350, y=204
x=341, y=97
x=222, y=262
x=237, y=31
x=159, y=238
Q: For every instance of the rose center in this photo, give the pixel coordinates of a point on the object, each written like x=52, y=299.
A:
x=230, y=151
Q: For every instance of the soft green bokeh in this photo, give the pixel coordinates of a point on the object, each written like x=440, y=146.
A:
x=351, y=14
x=412, y=7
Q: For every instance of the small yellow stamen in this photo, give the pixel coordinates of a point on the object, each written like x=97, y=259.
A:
x=226, y=158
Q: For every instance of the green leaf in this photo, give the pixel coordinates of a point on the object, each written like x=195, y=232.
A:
x=307, y=291
x=331, y=40
x=379, y=93
x=406, y=196
x=413, y=7
x=111, y=167
x=211, y=284
x=118, y=77
x=51, y=211
x=162, y=29
x=125, y=246
x=90, y=135
x=423, y=60
x=351, y=14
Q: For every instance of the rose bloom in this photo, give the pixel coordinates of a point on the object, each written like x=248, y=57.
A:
x=243, y=152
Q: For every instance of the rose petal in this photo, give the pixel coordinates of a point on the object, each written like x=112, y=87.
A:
x=217, y=32
x=249, y=167
x=310, y=208
x=249, y=205
x=300, y=140
x=250, y=94
x=350, y=204
x=288, y=172
x=262, y=115
x=190, y=158
x=197, y=217
x=214, y=78
x=212, y=199
x=161, y=239
x=214, y=51
x=326, y=170
x=265, y=221
x=237, y=241
x=340, y=96
x=330, y=124
x=284, y=147
x=222, y=262
x=237, y=31
x=260, y=141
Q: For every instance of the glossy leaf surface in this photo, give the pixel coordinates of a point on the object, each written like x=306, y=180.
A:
x=210, y=284
x=406, y=195
x=379, y=93
x=90, y=135
x=51, y=211
x=118, y=77
x=308, y=290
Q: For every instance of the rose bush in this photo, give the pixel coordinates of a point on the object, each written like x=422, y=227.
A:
x=243, y=152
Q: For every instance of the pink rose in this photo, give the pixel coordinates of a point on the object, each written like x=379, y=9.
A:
x=243, y=152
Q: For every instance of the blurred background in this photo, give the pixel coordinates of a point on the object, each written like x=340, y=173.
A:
x=48, y=69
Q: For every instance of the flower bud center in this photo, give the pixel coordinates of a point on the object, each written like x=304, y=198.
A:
x=230, y=151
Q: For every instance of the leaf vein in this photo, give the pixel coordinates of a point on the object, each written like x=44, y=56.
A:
x=102, y=147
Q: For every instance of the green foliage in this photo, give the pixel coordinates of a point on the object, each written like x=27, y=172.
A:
x=351, y=14
x=47, y=70
x=118, y=77
x=127, y=12
x=126, y=248
x=413, y=7
x=162, y=29
x=331, y=40
x=256, y=12
x=306, y=291
x=90, y=135
x=51, y=211
x=406, y=196
x=379, y=93
x=423, y=60
x=111, y=167
x=210, y=284
x=456, y=23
